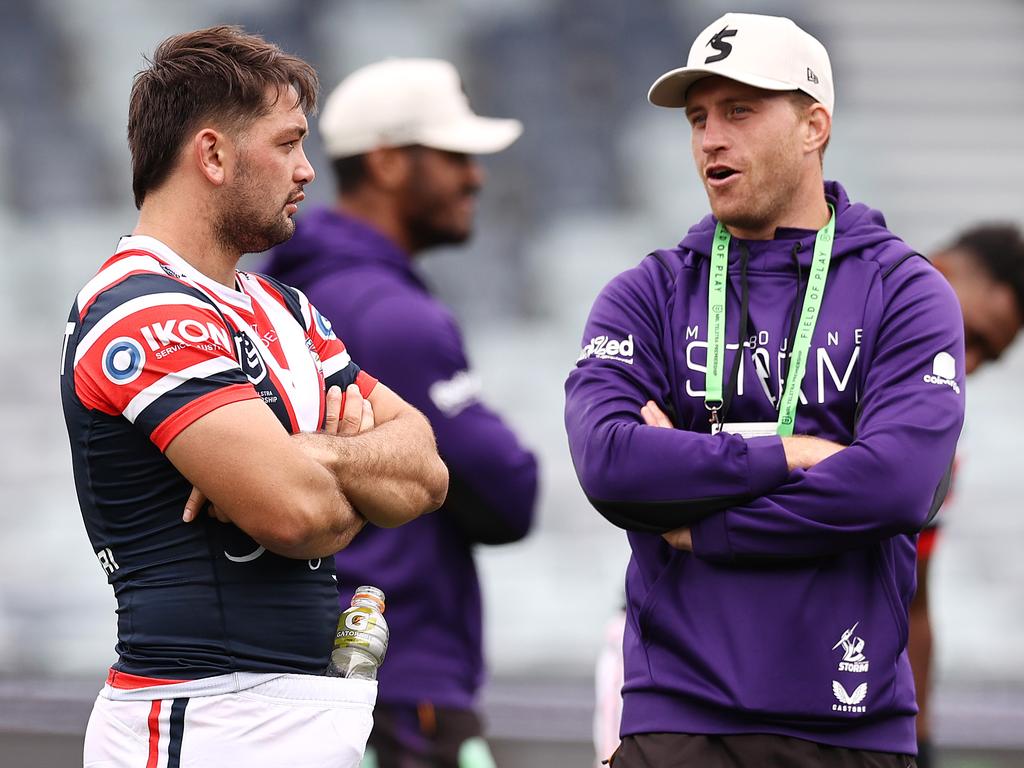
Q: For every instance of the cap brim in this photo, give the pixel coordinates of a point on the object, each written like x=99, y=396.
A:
x=473, y=135
x=670, y=89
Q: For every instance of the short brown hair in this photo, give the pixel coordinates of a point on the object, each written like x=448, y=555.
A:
x=220, y=73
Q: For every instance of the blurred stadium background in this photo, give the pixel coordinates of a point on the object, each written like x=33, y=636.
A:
x=929, y=128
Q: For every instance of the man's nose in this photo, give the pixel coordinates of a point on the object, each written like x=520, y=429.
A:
x=304, y=173
x=715, y=135
x=475, y=173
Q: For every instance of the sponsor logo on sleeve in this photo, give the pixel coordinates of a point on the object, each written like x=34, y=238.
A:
x=607, y=348
x=123, y=360
x=943, y=372
x=174, y=335
x=323, y=324
x=454, y=395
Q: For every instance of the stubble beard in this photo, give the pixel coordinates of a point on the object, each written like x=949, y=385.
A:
x=425, y=232
x=245, y=224
x=427, y=212
x=425, y=222
x=767, y=199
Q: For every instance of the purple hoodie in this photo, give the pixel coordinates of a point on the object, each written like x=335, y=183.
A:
x=363, y=283
x=790, y=614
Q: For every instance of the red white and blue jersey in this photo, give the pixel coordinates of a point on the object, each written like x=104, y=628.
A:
x=151, y=346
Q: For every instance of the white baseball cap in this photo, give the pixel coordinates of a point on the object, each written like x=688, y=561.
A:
x=769, y=52
x=401, y=102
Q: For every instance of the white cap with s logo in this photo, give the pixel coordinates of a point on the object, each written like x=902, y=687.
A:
x=402, y=102
x=769, y=52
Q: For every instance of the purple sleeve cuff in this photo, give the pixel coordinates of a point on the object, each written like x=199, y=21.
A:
x=711, y=538
x=766, y=464
x=767, y=470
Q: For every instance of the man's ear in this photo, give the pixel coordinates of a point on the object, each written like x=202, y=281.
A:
x=388, y=167
x=819, y=128
x=213, y=152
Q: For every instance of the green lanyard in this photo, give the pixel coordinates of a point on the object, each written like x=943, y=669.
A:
x=713, y=399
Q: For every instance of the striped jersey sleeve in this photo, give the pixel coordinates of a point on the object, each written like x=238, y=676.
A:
x=338, y=366
x=153, y=349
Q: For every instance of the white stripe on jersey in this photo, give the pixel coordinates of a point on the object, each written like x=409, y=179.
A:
x=132, y=306
x=307, y=315
x=162, y=386
x=337, y=363
x=107, y=277
x=302, y=379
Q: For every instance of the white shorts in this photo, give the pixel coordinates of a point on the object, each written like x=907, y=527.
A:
x=244, y=719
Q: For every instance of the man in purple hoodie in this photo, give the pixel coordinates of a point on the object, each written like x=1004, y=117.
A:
x=770, y=409
x=402, y=135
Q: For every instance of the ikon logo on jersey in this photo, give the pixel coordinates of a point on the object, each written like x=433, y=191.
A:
x=181, y=333
x=606, y=348
x=249, y=359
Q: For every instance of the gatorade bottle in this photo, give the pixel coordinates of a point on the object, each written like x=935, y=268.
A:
x=362, y=637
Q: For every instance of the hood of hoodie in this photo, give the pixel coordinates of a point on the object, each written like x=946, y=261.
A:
x=326, y=241
x=859, y=229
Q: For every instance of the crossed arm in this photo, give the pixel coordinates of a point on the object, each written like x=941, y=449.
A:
x=802, y=452
x=308, y=495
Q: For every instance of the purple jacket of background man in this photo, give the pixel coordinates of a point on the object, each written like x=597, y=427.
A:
x=363, y=284
x=790, y=615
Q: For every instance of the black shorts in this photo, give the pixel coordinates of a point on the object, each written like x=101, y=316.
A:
x=756, y=750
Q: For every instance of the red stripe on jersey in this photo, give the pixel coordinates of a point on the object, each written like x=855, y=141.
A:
x=126, y=682
x=98, y=392
x=270, y=289
x=154, y=734
x=365, y=382
x=175, y=424
x=264, y=327
x=322, y=417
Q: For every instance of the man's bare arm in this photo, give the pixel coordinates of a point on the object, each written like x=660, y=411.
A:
x=242, y=459
x=392, y=473
x=806, y=451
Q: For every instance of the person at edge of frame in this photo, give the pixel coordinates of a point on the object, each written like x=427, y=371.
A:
x=224, y=443
x=402, y=138
x=985, y=266
x=744, y=406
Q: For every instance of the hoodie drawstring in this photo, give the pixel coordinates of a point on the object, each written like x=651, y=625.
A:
x=794, y=319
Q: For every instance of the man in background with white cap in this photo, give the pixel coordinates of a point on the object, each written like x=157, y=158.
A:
x=985, y=266
x=402, y=137
x=772, y=515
